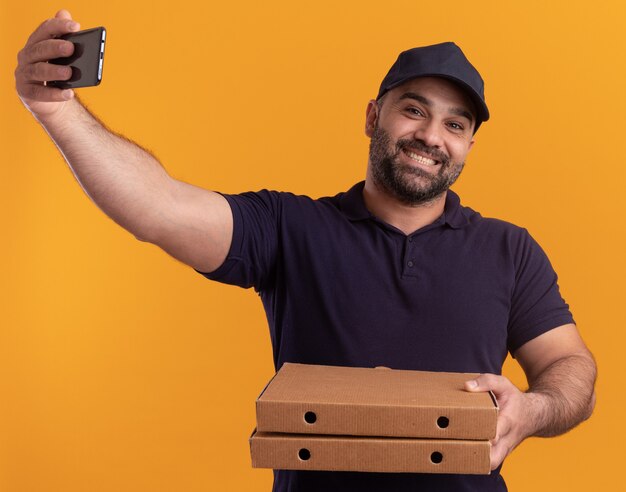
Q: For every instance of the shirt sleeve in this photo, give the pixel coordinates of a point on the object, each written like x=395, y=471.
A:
x=251, y=259
x=536, y=305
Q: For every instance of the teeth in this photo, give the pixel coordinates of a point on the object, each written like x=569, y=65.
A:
x=421, y=159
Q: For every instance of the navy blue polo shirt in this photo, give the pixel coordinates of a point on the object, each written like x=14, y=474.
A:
x=342, y=287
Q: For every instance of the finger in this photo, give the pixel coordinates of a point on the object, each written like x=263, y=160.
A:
x=42, y=72
x=497, y=455
x=500, y=449
x=46, y=94
x=53, y=28
x=503, y=427
x=488, y=382
x=63, y=14
x=45, y=50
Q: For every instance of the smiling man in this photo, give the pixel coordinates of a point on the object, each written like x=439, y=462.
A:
x=394, y=272
x=434, y=122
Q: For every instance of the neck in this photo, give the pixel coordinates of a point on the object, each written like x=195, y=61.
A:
x=407, y=218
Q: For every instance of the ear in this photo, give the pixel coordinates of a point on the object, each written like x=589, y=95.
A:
x=371, y=116
x=471, y=144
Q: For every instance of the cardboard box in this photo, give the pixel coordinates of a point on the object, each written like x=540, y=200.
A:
x=311, y=399
x=367, y=454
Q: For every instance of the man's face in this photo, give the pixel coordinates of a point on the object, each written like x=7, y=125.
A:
x=420, y=136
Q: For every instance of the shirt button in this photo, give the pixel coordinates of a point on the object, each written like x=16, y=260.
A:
x=410, y=239
x=410, y=263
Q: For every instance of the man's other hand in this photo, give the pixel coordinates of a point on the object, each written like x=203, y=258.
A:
x=513, y=425
x=33, y=69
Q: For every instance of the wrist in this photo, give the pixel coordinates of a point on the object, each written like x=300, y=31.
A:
x=60, y=117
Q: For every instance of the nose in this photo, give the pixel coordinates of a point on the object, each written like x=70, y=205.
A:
x=430, y=132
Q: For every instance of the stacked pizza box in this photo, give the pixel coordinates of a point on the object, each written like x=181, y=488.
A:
x=312, y=417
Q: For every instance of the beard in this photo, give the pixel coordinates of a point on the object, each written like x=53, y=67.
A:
x=409, y=184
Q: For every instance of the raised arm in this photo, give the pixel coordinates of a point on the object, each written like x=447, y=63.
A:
x=561, y=374
x=127, y=183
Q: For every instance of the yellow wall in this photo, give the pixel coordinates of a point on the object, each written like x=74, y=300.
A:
x=123, y=370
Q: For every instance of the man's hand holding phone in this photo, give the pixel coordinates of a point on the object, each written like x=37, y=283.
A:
x=33, y=70
x=55, y=59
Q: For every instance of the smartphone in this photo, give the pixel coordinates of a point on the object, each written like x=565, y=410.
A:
x=86, y=61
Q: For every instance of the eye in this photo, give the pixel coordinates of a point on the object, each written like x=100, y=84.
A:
x=456, y=126
x=414, y=111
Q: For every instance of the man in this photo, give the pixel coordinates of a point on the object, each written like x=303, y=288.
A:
x=394, y=272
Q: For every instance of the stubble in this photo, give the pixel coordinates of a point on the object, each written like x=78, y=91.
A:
x=409, y=184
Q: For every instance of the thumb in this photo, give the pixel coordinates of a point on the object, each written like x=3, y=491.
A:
x=486, y=382
x=471, y=385
x=63, y=14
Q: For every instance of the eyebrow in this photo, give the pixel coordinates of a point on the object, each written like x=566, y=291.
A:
x=428, y=102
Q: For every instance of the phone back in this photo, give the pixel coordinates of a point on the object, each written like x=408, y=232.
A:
x=86, y=61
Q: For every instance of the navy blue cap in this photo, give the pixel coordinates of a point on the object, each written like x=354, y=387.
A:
x=439, y=60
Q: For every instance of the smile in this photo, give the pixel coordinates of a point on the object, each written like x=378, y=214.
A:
x=420, y=158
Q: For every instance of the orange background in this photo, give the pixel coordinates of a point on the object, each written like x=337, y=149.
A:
x=123, y=370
